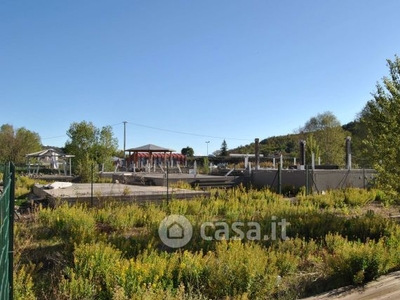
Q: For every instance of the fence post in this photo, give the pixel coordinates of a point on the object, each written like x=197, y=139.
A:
x=279, y=179
x=11, y=230
x=307, y=187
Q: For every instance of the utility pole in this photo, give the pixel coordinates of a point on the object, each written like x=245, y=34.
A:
x=125, y=142
x=207, y=142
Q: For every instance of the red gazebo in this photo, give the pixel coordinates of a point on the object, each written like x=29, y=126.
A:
x=152, y=152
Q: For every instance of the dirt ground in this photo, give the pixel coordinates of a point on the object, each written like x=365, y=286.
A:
x=390, y=211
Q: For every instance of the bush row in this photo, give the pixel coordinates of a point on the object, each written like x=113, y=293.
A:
x=114, y=252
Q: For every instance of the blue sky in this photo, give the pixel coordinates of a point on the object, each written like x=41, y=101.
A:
x=185, y=72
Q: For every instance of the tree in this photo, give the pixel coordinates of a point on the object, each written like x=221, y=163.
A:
x=16, y=143
x=91, y=146
x=381, y=118
x=330, y=137
x=206, y=165
x=189, y=152
x=359, y=149
x=312, y=147
x=321, y=122
x=290, y=147
x=224, y=149
x=217, y=152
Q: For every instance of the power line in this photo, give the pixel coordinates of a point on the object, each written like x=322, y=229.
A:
x=187, y=133
x=54, y=137
x=162, y=129
x=65, y=135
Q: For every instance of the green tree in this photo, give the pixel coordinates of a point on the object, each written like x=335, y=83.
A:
x=91, y=146
x=329, y=135
x=206, y=165
x=188, y=151
x=290, y=147
x=381, y=118
x=312, y=147
x=16, y=143
x=359, y=150
x=224, y=149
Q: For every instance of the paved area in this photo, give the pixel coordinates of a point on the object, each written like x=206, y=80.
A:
x=85, y=191
x=384, y=288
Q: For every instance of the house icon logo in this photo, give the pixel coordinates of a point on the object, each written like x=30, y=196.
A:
x=175, y=231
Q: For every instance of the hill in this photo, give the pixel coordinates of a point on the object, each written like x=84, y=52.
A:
x=289, y=145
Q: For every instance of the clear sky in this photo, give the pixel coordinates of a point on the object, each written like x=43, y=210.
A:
x=182, y=73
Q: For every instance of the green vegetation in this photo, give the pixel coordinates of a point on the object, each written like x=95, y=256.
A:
x=16, y=143
x=188, y=151
x=114, y=252
x=328, y=135
x=288, y=144
x=380, y=119
x=323, y=134
x=224, y=149
x=91, y=146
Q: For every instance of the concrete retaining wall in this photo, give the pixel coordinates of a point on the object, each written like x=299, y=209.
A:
x=318, y=180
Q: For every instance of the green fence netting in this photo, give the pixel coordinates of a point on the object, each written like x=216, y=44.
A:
x=7, y=231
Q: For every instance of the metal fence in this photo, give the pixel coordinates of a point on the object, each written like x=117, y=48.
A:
x=6, y=232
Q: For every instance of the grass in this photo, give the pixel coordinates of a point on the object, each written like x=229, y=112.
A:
x=114, y=252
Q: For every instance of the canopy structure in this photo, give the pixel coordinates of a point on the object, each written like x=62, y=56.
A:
x=152, y=154
x=48, y=158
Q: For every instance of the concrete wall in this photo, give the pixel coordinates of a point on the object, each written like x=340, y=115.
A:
x=318, y=180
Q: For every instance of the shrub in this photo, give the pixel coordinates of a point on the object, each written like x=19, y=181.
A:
x=239, y=268
x=93, y=275
x=358, y=196
x=23, y=283
x=23, y=186
x=353, y=197
x=387, y=198
x=368, y=226
x=117, y=253
x=71, y=224
x=120, y=217
x=356, y=262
